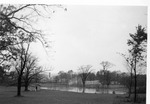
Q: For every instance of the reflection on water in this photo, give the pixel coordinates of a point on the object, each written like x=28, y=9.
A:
x=87, y=90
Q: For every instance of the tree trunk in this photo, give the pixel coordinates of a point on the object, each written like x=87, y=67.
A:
x=19, y=86
x=83, y=87
x=135, y=82
x=135, y=85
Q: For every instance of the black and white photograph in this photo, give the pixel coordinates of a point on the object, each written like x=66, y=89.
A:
x=61, y=53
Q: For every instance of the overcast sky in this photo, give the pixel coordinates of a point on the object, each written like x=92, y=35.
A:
x=90, y=34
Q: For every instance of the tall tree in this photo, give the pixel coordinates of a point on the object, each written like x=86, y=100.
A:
x=138, y=44
x=18, y=26
x=20, y=61
x=84, y=72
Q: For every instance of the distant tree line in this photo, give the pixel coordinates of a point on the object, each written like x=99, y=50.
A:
x=105, y=78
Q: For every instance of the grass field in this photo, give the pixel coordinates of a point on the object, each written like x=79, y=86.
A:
x=7, y=96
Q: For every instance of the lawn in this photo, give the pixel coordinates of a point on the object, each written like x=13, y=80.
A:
x=7, y=96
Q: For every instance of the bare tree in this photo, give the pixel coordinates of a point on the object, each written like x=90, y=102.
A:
x=84, y=72
x=20, y=60
x=17, y=28
x=106, y=65
x=130, y=65
x=32, y=71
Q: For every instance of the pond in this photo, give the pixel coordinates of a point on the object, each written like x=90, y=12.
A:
x=87, y=90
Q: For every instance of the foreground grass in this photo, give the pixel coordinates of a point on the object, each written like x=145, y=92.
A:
x=123, y=99
x=7, y=96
